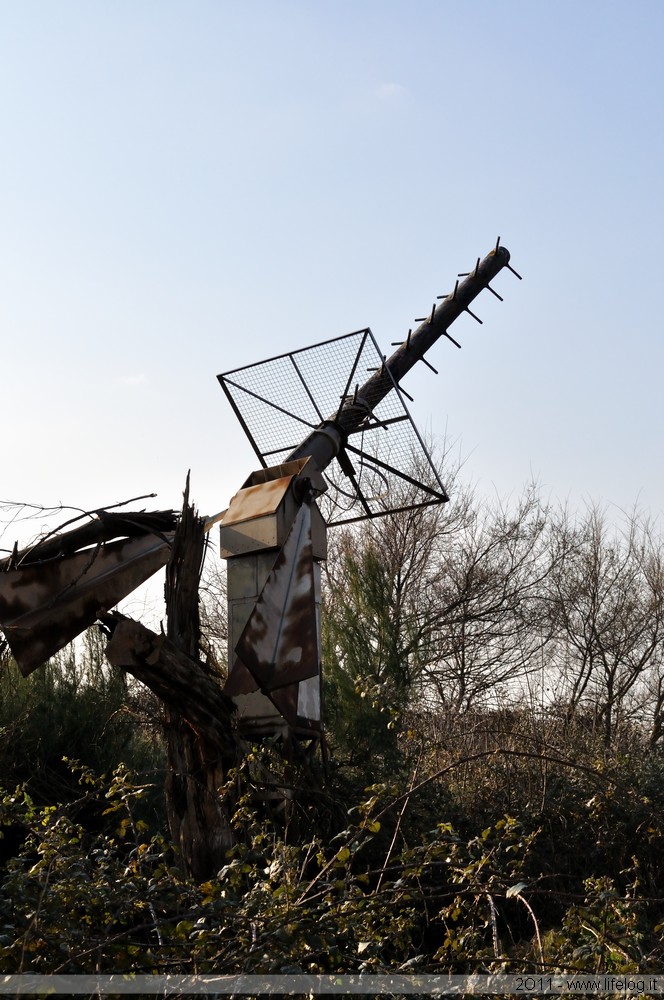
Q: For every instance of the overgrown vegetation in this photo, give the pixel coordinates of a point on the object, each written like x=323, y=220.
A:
x=76, y=707
x=494, y=792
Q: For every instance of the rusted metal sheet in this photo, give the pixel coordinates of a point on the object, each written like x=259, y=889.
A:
x=261, y=514
x=279, y=644
x=285, y=698
x=257, y=501
x=44, y=604
x=240, y=681
x=275, y=666
x=296, y=706
x=258, y=517
x=303, y=468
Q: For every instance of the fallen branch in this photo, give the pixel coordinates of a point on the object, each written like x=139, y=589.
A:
x=182, y=682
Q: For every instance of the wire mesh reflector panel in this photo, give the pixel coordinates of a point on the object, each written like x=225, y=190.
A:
x=280, y=400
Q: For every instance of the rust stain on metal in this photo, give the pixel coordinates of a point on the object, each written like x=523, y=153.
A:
x=279, y=644
x=53, y=591
x=240, y=681
x=257, y=501
x=286, y=698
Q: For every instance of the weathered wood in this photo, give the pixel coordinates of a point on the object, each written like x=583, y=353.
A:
x=198, y=717
x=104, y=527
x=183, y=683
x=198, y=817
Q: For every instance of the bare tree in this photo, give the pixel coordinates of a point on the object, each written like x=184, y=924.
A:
x=606, y=606
x=441, y=605
x=214, y=613
x=652, y=706
x=490, y=629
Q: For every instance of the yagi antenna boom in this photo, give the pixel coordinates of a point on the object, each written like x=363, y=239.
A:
x=326, y=442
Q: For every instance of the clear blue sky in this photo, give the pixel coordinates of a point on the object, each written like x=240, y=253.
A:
x=190, y=186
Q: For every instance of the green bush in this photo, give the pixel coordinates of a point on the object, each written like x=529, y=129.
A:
x=384, y=894
x=75, y=707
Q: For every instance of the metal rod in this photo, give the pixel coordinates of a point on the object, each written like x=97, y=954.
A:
x=373, y=460
x=306, y=387
x=320, y=444
x=301, y=350
x=383, y=423
x=365, y=334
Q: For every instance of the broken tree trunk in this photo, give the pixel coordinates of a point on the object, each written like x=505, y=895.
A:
x=197, y=767
x=201, y=742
